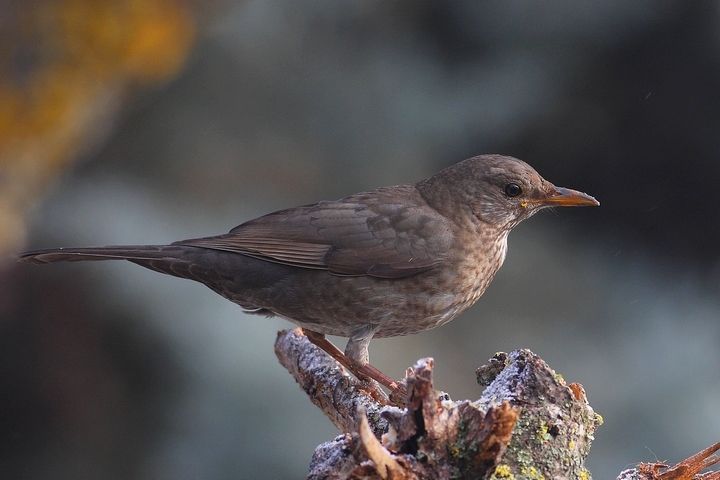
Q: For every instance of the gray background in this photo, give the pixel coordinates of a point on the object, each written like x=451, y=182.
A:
x=117, y=372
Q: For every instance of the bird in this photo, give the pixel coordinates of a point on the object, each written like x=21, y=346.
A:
x=387, y=262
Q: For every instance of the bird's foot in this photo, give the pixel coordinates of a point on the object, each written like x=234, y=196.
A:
x=397, y=389
x=363, y=372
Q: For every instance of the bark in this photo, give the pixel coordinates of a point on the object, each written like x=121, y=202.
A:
x=528, y=423
x=688, y=469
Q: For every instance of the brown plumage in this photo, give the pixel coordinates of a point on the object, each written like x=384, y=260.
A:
x=391, y=261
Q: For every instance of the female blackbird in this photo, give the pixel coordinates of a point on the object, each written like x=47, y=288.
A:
x=391, y=261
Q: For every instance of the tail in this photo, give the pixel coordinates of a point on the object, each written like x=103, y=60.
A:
x=227, y=273
x=168, y=259
x=77, y=254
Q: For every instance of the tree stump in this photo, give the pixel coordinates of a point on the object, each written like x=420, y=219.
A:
x=528, y=423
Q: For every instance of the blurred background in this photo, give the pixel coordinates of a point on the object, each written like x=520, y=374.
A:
x=132, y=121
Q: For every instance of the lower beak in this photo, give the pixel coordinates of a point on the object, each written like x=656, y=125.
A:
x=565, y=197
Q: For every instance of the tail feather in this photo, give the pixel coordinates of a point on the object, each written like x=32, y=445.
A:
x=76, y=254
x=230, y=274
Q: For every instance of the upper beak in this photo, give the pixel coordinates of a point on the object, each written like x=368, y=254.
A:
x=565, y=197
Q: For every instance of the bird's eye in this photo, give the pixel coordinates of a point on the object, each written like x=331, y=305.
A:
x=512, y=190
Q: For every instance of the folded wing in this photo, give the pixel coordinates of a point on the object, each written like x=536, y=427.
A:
x=359, y=235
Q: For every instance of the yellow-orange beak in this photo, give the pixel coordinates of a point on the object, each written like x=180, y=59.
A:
x=565, y=197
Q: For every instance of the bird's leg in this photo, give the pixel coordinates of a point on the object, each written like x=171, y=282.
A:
x=356, y=351
x=360, y=371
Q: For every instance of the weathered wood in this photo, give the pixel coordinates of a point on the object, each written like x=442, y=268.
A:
x=553, y=435
x=329, y=386
x=688, y=469
x=527, y=424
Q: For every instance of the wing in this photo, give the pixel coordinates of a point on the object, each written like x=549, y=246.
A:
x=366, y=234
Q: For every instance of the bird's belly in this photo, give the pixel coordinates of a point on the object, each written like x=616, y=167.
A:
x=340, y=305
x=453, y=291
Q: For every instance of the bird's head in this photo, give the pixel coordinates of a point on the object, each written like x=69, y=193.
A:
x=503, y=191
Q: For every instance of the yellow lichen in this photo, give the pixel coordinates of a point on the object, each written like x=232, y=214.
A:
x=503, y=471
x=532, y=473
x=542, y=434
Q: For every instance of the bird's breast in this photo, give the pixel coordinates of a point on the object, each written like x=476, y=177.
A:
x=480, y=260
x=455, y=287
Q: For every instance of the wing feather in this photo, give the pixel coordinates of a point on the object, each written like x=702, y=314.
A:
x=359, y=235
